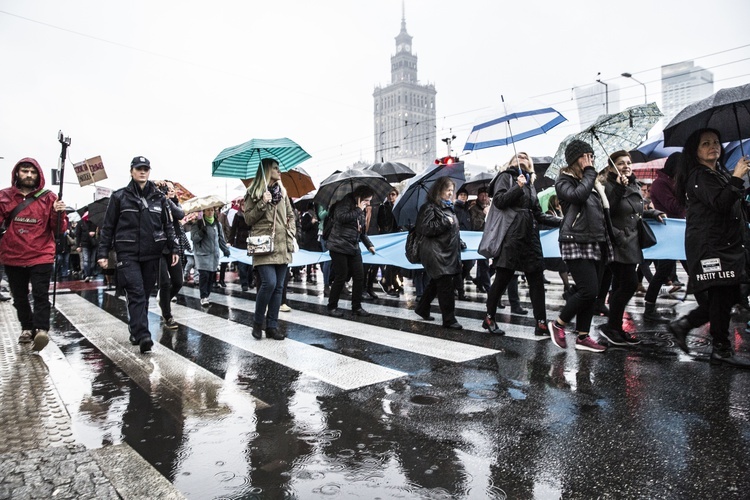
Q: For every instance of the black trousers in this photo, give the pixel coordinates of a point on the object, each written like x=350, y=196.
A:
x=19, y=279
x=442, y=288
x=170, y=282
x=664, y=269
x=137, y=280
x=715, y=306
x=505, y=277
x=624, y=285
x=345, y=266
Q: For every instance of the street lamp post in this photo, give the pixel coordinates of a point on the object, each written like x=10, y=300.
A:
x=606, y=95
x=645, y=91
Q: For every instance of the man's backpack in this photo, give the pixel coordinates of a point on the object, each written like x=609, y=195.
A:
x=328, y=222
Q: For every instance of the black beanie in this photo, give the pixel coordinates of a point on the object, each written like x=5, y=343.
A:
x=575, y=150
x=670, y=166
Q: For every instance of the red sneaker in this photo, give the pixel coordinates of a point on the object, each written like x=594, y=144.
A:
x=557, y=334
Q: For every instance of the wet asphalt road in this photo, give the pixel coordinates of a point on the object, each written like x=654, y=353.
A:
x=452, y=414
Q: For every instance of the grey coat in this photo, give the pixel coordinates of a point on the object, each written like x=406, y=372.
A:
x=260, y=217
x=208, y=241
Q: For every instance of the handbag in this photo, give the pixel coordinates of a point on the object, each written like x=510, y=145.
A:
x=413, y=241
x=646, y=236
x=262, y=245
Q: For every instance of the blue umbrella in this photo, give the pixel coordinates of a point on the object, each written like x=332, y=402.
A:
x=652, y=149
x=733, y=151
x=242, y=161
x=415, y=195
x=511, y=128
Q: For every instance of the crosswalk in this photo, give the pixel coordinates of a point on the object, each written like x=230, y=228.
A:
x=379, y=349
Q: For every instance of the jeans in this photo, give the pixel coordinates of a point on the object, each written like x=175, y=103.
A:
x=88, y=264
x=62, y=265
x=137, y=280
x=19, y=279
x=244, y=272
x=206, y=280
x=170, y=282
x=344, y=266
x=268, y=298
x=580, y=304
x=325, y=267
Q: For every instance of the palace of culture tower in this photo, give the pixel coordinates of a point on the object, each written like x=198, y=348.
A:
x=404, y=111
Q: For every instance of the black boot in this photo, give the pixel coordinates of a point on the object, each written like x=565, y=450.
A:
x=257, y=331
x=679, y=330
x=600, y=308
x=651, y=314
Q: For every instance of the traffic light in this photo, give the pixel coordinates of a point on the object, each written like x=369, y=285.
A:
x=447, y=160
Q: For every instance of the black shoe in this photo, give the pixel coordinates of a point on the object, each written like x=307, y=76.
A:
x=3, y=298
x=612, y=335
x=427, y=317
x=146, y=344
x=257, y=331
x=392, y=292
x=371, y=293
x=367, y=297
x=273, y=333
x=462, y=296
x=679, y=329
x=326, y=291
x=170, y=323
x=651, y=314
x=245, y=288
x=500, y=305
x=519, y=310
x=490, y=325
x=454, y=326
x=133, y=340
x=361, y=313
x=541, y=330
x=722, y=354
x=222, y=284
x=336, y=313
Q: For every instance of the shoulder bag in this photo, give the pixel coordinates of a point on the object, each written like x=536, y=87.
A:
x=12, y=215
x=262, y=245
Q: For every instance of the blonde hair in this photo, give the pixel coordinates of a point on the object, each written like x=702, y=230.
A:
x=262, y=177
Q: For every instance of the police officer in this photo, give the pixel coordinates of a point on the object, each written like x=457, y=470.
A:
x=138, y=225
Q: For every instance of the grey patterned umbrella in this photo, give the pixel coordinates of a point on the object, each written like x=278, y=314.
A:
x=336, y=186
x=480, y=180
x=727, y=111
x=609, y=133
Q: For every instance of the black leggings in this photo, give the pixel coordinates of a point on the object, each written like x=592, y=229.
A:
x=624, y=285
x=503, y=277
x=715, y=306
x=580, y=304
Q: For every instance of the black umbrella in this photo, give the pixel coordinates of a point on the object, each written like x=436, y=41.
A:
x=727, y=111
x=415, y=195
x=393, y=171
x=478, y=181
x=336, y=186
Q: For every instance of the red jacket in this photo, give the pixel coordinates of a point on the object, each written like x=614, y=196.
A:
x=30, y=237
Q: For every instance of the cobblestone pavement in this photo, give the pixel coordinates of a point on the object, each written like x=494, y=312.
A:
x=39, y=457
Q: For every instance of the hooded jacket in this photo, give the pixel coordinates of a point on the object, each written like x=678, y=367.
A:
x=138, y=224
x=30, y=237
x=348, y=227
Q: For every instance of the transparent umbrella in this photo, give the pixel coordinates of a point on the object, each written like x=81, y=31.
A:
x=609, y=133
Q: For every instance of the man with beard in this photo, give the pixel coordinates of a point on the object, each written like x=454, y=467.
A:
x=30, y=215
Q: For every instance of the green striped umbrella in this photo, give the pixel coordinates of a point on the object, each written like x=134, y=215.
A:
x=241, y=162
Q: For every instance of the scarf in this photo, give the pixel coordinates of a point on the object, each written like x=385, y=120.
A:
x=275, y=191
x=209, y=220
x=448, y=203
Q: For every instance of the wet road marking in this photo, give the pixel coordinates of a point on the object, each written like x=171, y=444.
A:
x=456, y=352
x=184, y=381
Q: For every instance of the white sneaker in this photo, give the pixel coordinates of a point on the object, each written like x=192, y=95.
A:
x=204, y=301
x=285, y=308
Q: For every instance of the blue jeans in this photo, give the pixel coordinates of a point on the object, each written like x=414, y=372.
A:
x=244, y=271
x=268, y=299
x=88, y=264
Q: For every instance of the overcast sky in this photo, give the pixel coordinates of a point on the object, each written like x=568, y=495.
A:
x=178, y=81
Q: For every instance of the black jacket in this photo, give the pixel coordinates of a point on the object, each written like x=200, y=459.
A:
x=177, y=215
x=521, y=248
x=309, y=231
x=138, y=224
x=239, y=232
x=440, y=249
x=348, y=227
x=463, y=215
x=714, y=228
x=386, y=221
x=584, y=220
x=83, y=239
x=626, y=210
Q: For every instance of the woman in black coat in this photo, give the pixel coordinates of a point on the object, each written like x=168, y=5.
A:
x=584, y=242
x=521, y=250
x=714, y=232
x=348, y=216
x=439, y=251
x=309, y=225
x=626, y=209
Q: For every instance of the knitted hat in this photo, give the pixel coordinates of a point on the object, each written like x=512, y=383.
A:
x=575, y=150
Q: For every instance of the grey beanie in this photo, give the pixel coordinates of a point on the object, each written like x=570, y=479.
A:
x=575, y=150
